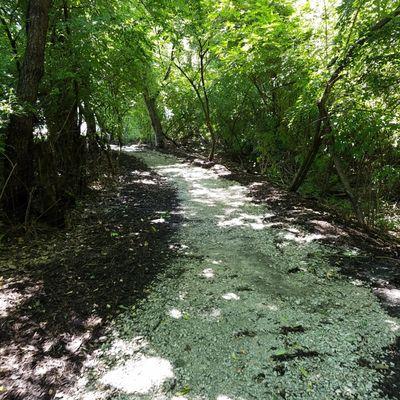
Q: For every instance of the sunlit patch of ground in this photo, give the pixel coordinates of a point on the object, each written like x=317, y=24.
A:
x=259, y=310
x=11, y=297
x=139, y=376
x=390, y=295
x=125, y=366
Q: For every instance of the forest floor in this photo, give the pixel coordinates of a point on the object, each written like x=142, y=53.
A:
x=183, y=282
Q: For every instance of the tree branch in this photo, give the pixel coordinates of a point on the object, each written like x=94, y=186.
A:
x=12, y=41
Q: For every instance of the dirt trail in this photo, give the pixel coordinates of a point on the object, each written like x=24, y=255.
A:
x=243, y=306
x=245, y=310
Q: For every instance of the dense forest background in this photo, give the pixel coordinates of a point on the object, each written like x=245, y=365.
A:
x=303, y=92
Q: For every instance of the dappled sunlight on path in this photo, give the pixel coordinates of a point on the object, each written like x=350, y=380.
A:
x=256, y=313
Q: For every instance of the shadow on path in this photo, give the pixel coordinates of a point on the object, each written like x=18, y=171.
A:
x=54, y=311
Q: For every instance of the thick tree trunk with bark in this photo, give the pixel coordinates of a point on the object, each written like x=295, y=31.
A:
x=68, y=147
x=19, y=133
x=151, y=106
x=69, y=144
x=60, y=173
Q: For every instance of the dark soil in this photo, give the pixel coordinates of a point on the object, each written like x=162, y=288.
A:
x=62, y=290
x=295, y=354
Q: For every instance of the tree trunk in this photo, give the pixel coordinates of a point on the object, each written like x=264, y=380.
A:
x=203, y=99
x=346, y=184
x=312, y=152
x=213, y=138
x=63, y=176
x=155, y=119
x=206, y=105
x=19, y=133
x=64, y=129
x=328, y=133
x=69, y=144
x=91, y=130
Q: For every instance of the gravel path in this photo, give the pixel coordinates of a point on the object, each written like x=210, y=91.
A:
x=244, y=310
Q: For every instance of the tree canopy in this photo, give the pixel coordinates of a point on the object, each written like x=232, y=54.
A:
x=303, y=92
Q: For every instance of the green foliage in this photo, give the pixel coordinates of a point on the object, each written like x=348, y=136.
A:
x=137, y=127
x=267, y=64
x=265, y=67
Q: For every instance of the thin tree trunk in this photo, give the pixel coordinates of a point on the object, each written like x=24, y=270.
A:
x=200, y=89
x=207, y=111
x=155, y=119
x=347, y=187
x=312, y=152
x=328, y=132
x=68, y=142
x=19, y=133
x=213, y=138
x=90, y=120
